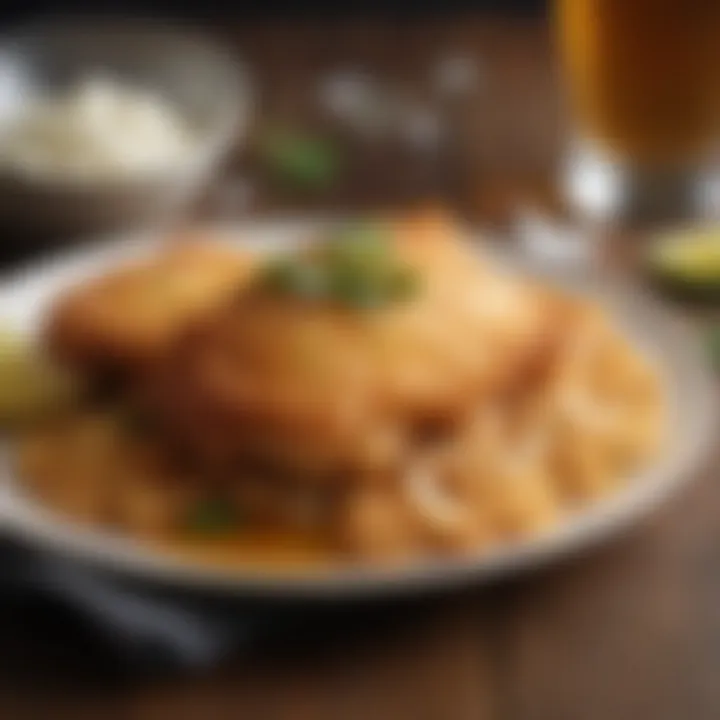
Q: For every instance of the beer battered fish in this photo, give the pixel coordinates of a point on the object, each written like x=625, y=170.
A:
x=128, y=318
x=322, y=387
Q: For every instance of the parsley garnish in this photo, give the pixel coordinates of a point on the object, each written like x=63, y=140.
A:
x=354, y=267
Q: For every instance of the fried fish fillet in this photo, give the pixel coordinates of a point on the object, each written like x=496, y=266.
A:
x=319, y=389
x=129, y=317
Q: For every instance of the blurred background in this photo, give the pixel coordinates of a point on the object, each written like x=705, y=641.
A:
x=383, y=104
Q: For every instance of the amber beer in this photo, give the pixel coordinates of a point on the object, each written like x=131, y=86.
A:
x=643, y=75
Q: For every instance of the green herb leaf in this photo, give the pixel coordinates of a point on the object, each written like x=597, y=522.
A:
x=212, y=517
x=404, y=284
x=305, y=161
x=353, y=287
x=295, y=276
x=354, y=268
x=359, y=243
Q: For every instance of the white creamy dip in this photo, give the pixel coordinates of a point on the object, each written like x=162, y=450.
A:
x=100, y=130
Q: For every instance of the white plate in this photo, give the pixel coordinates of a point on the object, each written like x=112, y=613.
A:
x=690, y=385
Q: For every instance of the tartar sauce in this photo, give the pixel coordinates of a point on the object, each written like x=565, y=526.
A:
x=100, y=130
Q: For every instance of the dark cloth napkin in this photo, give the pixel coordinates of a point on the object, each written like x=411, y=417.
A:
x=141, y=627
x=146, y=630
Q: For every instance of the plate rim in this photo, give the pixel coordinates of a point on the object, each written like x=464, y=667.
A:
x=35, y=525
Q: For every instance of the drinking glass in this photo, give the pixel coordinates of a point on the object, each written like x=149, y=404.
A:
x=643, y=81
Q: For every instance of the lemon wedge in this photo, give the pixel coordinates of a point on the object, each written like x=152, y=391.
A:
x=30, y=386
x=690, y=256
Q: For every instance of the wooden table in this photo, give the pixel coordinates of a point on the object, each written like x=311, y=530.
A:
x=631, y=631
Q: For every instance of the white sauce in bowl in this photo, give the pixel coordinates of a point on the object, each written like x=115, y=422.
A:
x=100, y=130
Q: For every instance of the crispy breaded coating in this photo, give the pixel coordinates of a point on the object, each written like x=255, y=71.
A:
x=129, y=317
x=321, y=388
x=384, y=393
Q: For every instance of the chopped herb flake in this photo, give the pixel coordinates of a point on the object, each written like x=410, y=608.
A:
x=354, y=268
x=297, y=278
x=300, y=160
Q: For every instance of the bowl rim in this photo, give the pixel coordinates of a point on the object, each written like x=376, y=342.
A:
x=207, y=148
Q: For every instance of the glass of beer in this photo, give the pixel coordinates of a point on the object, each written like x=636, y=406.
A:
x=643, y=80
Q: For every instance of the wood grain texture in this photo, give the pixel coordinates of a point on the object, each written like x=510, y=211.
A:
x=631, y=631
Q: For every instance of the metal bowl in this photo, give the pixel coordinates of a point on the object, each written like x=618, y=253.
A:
x=202, y=80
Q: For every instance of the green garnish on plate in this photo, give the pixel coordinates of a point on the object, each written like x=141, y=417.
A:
x=354, y=267
x=288, y=275
x=299, y=159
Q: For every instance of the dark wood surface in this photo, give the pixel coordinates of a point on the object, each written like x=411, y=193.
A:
x=630, y=631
